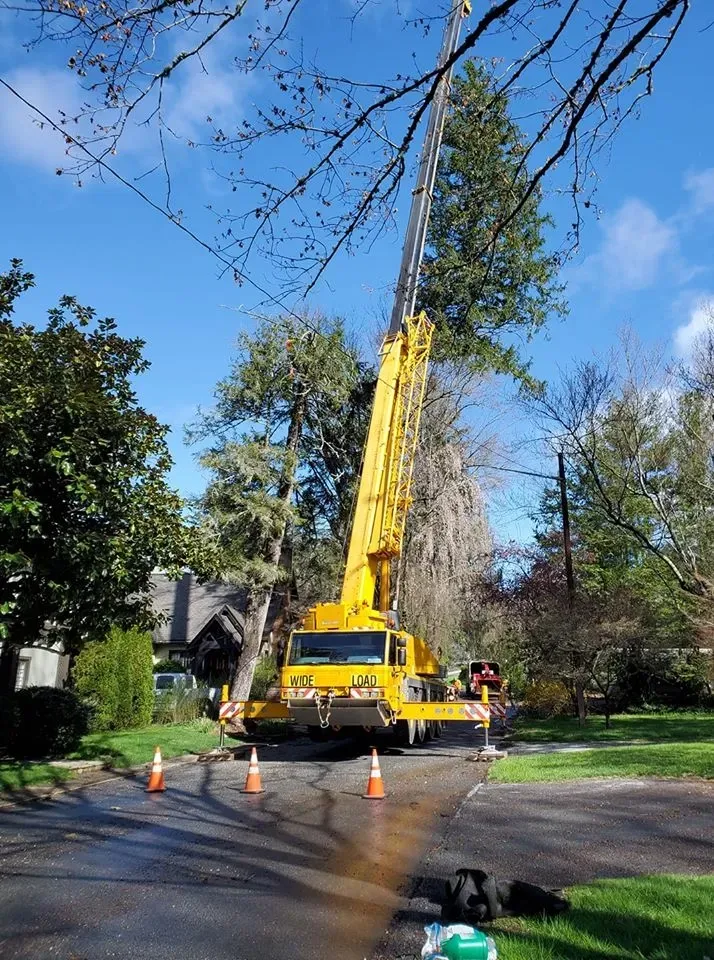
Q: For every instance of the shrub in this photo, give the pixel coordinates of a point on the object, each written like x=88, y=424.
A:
x=96, y=681
x=266, y=671
x=547, y=698
x=662, y=677
x=49, y=723
x=169, y=666
x=203, y=724
x=115, y=677
x=182, y=704
x=8, y=720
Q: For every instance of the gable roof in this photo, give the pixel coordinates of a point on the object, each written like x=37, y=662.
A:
x=190, y=606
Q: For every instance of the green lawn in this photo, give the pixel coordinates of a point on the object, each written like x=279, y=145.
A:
x=648, y=760
x=127, y=748
x=645, y=727
x=15, y=776
x=644, y=918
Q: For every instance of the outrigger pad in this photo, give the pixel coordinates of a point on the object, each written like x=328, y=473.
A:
x=474, y=897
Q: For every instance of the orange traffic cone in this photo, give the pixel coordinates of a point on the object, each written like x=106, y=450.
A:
x=252, y=781
x=156, y=778
x=375, y=787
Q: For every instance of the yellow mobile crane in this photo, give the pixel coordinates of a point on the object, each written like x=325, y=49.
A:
x=350, y=665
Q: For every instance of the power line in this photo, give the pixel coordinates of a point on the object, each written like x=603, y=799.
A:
x=526, y=473
x=100, y=162
x=271, y=298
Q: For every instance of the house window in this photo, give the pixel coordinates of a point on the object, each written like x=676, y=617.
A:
x=23, y=673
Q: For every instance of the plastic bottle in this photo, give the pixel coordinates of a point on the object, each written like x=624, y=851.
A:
x=457, y=942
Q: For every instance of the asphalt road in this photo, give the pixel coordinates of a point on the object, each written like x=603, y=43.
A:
x=308, y=868
x=559, y=834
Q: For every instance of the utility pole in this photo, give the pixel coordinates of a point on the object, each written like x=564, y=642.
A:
x=567, y=543
x=570, y=579
x=565, y=515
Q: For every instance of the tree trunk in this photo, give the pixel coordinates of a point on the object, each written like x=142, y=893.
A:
x=9, y=660
x=580, y=697
x=259, y=598
x=256, y=615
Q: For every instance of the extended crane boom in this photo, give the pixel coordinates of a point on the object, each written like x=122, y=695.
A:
x=350, y=664
x=415, y=238
x=383, y=498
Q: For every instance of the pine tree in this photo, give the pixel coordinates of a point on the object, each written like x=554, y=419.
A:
x=485, y=279
x=272, y=432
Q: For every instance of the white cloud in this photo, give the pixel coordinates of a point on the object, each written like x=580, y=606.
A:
x=701, y=188
x=23, y=136
x=633, y=246
x=701, y=318
x=202, y=90
x=206, y=89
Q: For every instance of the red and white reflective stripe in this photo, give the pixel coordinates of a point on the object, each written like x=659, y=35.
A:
x=376, y=773
x=498, y=710
x=477, y=711
x=357, y=693
x=230, y=709
x=253, y=765
x=156, y=765
x=301, y=693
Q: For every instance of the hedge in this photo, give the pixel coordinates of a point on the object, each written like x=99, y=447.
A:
x=115, y=677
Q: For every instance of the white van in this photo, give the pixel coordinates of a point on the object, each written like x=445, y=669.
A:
x=169, y=681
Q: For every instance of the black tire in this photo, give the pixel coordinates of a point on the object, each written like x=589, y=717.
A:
x=405, y=732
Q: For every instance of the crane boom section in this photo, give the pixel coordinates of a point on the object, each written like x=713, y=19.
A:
x=383, y=497
x=415, y=239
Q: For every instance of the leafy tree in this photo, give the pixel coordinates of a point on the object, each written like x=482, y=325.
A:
x=86, y=512
x=482, y=285
x=169, y=666
x=273, y=429
x=640, y=447
x=576, y=644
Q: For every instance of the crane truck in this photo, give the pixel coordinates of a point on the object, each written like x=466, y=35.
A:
x=350, y=665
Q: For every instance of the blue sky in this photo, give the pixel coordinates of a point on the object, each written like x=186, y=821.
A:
x=646, y=256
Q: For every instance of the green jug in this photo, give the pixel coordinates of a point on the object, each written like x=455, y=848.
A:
x=476, y=947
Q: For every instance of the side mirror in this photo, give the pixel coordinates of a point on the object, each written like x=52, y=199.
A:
x=401, y=642
x=443, y=673
x=401, y=657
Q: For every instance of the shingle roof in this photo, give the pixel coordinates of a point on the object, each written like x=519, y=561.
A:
x=190, y=605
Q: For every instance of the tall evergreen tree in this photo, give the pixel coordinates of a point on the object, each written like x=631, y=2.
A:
x=274, y=431
x=488, y=277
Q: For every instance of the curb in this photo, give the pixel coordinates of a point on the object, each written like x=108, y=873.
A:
x=92, y=777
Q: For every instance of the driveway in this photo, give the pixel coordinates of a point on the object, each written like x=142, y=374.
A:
x=203, y=872
x=559, y=834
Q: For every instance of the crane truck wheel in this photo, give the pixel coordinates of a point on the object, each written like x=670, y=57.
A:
x=423, y=726
x=405, y=732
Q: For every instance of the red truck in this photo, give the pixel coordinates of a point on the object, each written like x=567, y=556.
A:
x=484, y=671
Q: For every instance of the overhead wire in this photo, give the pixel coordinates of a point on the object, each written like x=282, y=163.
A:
x=230, y=265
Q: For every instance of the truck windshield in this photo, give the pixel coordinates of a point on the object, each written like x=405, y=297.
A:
x=356, y=646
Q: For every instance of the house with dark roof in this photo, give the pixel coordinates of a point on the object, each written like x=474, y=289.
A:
x=203, y=624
